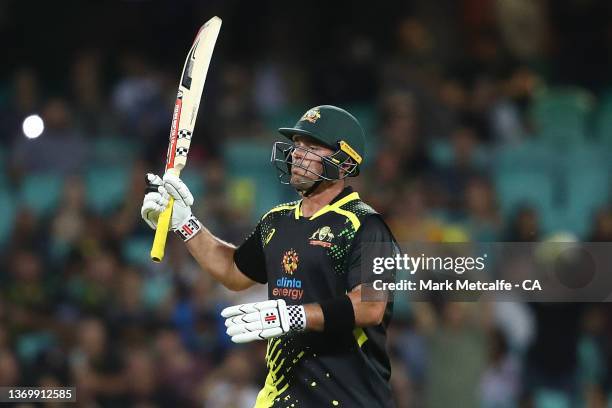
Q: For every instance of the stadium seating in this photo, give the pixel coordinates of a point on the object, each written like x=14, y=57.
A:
x=603, y=121
x=8, y=211
x=588, y=186
x=525, y=187
x=561, y=116
x=40, y=192
x=106, y=187
x=195, y=180
x=532, y=155
x=115, y=150
x=249, y=162
x=136, y=250
x=548, y=398
x=565, y=186
x=441, y=152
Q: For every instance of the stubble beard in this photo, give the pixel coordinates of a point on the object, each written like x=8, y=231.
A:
x=301, y=183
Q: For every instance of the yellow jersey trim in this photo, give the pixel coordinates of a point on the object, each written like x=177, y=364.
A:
x=298, y=210
x=335, y=207
x=280, y=208
x=360, y=336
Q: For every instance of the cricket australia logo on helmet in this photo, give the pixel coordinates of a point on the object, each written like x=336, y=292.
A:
x=311, y=115
x=290, y=261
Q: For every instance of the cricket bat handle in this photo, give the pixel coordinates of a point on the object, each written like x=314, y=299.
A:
x=161, y=233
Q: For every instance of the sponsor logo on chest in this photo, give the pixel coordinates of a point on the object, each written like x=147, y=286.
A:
x=286, y=287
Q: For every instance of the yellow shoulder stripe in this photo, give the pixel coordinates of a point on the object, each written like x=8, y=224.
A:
x=298, y=210
x=335, y=207
x=353, y=196
x=280, y=208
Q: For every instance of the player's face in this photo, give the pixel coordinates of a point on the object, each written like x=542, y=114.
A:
x=308, y=155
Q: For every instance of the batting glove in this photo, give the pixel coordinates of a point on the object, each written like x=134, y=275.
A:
x=157, y=197
x=263, y=320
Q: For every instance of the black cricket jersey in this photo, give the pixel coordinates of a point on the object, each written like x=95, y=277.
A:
x=305, y=260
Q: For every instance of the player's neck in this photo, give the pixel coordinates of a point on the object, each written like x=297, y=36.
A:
x=320, y=198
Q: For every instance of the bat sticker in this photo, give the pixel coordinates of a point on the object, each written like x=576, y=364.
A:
x=187, y=72
x=184, y=134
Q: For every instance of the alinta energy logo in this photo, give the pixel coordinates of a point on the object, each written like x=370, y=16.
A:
x=290, y=288
x=290, y=261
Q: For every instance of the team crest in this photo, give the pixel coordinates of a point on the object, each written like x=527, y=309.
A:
x=311, y=116
x=290, y=261
x=322, y=237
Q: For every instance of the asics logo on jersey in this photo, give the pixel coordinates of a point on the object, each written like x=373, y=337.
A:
x=269, y=237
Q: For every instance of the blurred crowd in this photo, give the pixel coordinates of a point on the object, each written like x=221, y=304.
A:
x=444, y=90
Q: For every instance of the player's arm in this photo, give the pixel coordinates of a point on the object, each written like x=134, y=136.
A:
x=217, y=258
x=212, y=254
x=366, y=314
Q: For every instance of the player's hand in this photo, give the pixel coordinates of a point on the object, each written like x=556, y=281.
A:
x=262, y=320
x=157, y=197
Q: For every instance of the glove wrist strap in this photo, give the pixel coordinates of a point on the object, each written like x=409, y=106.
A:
x=297, y=318
x=189, y=228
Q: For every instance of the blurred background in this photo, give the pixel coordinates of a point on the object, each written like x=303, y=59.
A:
x=486, y=120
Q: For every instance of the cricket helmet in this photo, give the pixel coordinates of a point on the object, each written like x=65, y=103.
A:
x=332, y=127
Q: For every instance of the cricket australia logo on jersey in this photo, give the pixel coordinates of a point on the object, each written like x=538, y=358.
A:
x=322, y=237
x=287, y=287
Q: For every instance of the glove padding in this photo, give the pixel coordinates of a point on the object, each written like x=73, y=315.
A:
x=262, y=320
x=157, y=197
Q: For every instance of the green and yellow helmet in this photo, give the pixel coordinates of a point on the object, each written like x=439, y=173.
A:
x=333, y=127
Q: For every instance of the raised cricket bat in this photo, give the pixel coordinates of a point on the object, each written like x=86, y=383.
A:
x=184, y=117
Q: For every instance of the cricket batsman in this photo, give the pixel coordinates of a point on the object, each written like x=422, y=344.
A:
x=326, y=346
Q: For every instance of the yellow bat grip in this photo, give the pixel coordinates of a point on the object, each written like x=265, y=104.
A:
x=161, y=233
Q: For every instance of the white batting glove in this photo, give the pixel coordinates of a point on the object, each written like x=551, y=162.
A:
x=263, y=320
x=157, y=197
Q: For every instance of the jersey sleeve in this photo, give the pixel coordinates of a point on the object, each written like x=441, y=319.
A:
x=373, y=240
x=250, y=259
